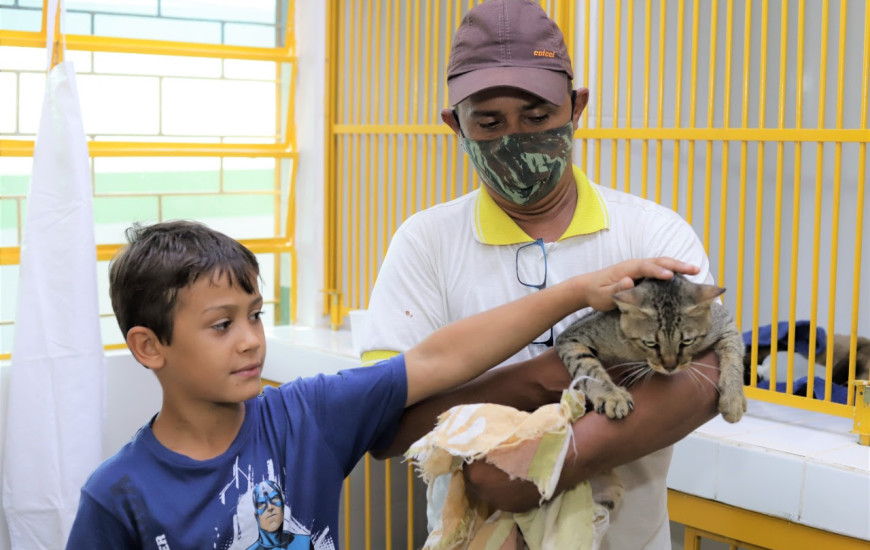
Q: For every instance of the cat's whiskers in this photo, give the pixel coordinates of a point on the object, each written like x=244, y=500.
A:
x=637, y=373
x=696, y=364
x=628, y=364
x=700, y=376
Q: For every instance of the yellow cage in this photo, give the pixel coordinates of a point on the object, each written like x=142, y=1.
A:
x=748, y=118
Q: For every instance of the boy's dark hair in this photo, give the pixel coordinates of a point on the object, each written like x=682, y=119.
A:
x=161, y=259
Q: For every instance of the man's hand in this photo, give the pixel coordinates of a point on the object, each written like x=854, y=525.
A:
x=600, y=286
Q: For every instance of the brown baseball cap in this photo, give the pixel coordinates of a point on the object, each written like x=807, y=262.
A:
x=508, y=43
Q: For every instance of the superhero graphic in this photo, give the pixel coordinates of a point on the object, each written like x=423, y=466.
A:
x=269, y=513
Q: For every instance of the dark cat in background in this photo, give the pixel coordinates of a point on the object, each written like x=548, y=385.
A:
x=658, y=326
x=840, y=371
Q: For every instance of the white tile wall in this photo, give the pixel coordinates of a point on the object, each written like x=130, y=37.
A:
x=799, y=465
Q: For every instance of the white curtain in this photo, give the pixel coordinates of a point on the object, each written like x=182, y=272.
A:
x=55, y=411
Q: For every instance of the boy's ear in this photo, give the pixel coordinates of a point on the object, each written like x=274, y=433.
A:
x=146, y=347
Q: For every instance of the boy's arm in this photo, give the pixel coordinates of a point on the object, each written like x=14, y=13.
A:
x=666, y=409
x=466, y=348
x=524, y=385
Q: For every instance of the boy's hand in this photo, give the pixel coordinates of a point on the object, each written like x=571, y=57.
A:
x=601, y=285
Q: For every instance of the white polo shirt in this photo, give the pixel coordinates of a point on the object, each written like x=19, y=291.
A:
x=460, y=258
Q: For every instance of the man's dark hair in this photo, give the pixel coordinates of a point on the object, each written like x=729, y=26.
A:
x=161, y=259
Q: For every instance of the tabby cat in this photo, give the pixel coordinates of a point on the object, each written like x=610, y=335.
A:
x=660, y=325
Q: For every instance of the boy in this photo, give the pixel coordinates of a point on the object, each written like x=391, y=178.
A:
x=223, y=465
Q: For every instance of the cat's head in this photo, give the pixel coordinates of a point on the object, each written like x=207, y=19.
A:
x=667, y=321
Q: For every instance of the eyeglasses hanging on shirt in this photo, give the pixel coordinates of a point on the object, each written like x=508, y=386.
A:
x=531, y=264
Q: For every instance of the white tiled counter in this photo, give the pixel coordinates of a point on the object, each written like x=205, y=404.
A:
x=798, y=465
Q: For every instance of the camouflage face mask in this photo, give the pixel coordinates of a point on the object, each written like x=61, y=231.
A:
x=522, y=168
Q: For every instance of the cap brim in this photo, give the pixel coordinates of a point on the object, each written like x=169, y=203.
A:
x=549, y=85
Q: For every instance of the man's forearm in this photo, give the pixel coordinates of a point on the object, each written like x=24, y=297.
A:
x=666, y=409
x=525, y=386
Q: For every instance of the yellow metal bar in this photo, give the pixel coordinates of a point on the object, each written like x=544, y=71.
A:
x=644, y=177
x=862, y=411
x=777, y=224
x=726, y=122
x=599, y=86
x=661, y=99
x=757, y=529
x=428, y=77
x=711, y=106
x=799, y=401
x=290, y=28
x=466, y=182
x=152, y=47
x=347, y=530
x=586, y=39
x=629, y=46
x=24, y=148
x=367, y=189
x=356, y=31
x=409, y=480
x=393, y=97
x=691, y=539
x=58, y=38
x=442, y=181
x=414, y=163
x=828, y=135
x=367, y=489
x=355, y=183
x=11, y=255
x=290, y=234
x=289, y=137
x=408, y=81
x=817, y=218
x=693, y=102
x=333, y=148
x=678, y=106
x=375, y=75
x=796, y=207
x=617, y=38
x=355, y=254
x=447, y=42
x=859, y=217
x=835, y=216
x=368, y=179
x=393, y=184
x=759, y=198
x=741, y=224
x=276, y=185
x=388, y=505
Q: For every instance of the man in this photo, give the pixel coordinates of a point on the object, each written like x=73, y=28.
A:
x=535, y=221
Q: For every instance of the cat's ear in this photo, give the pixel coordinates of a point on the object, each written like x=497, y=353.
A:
x=629, y=301
x=704, y=296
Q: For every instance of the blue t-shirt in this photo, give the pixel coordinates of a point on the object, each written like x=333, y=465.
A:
x=277, y=486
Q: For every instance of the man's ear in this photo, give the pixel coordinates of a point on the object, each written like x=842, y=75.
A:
x=146, y=347
x=450, y=118
x=581, y=98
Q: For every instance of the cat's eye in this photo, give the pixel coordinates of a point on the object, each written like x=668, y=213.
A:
x=688, y=341
x=650, y=343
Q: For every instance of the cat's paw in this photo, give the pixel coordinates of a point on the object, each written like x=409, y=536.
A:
x=607, y=489
x=732, y=407
x=616, y=403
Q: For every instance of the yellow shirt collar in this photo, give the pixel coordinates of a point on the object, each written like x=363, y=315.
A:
x=493, y=226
